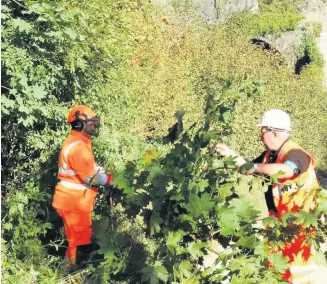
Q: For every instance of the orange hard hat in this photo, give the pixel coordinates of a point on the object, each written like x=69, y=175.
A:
x=81, y=112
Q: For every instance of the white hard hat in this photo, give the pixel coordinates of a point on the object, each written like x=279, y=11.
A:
x=276, y=118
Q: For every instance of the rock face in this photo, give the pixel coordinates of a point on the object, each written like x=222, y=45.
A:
x=289, y=44
x=312, y=5
x=226, y=8
x=219, y=11
x=207, y=8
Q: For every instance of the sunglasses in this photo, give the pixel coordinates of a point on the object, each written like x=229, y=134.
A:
x=270, y=129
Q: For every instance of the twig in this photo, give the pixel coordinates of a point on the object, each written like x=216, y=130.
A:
x=18, y=3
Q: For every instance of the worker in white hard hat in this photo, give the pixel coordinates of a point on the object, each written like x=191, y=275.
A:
x=291, y=163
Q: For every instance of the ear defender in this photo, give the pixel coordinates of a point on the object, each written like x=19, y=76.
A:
x=78, y=123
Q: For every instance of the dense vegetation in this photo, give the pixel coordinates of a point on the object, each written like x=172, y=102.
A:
x=143, y=69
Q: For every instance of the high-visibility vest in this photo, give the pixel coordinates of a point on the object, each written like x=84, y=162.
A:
x=291, y=195
x=298, y=192
x=72, y=193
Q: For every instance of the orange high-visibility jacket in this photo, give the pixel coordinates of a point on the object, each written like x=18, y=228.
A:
x=291, y=195
x=76, y=165
x=297, y=192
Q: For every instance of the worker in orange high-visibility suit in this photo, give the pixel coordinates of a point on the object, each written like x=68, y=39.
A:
x=285, y=156
x=78, y=177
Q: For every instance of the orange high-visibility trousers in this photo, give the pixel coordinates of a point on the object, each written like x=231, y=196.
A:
x=77, y=229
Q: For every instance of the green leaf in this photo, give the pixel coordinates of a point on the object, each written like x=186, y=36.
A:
x=217, y=164
x=38, y=92
x=70, y=33
x=194, y=248
x=4, y=16
x=20, y=208
x=24, y=109
x=235, y=265
x=23, y=80
x=226, y=190
x=203, y=184
x=322, y=206
x=185, y=268
x=244, y=209
x=210, y=135
x=28, y=121
x=280, y=263
x=155, y=171
x=247, y=242
x=228, y=222
x=227, y=116
x=261, y=249
x=177, y=197
x=270, y=221
x=57, y=34
x=174, y=238
x=258, y=184
x=229, y=162
x=247, y=166
x=22, y=25
x=155, y=222
x=151, y=155
x=7, y=102
x=306, y=219
x=121, y=182
x=155, y=273
x=106, y=247
x=108, y=252
x=275, y=177
x=199, y=205
x=129, y=192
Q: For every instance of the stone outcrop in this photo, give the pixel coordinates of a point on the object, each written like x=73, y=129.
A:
x=289, y=44
x=219, y=11
x=226, y=8
x=312, y=5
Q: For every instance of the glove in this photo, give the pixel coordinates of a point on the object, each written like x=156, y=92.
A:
x=109, y=179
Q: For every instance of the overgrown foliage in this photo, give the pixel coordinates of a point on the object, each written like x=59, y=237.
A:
x=136, y=65
x=275, y=17
x=186, y=198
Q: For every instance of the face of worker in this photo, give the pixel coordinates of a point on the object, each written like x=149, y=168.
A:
x=268, y=138
x=91, y=128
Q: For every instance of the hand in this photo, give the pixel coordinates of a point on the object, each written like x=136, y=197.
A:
x=224, y=150
x=100, y=170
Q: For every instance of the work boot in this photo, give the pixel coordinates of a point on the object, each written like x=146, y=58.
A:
x=84, y=254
